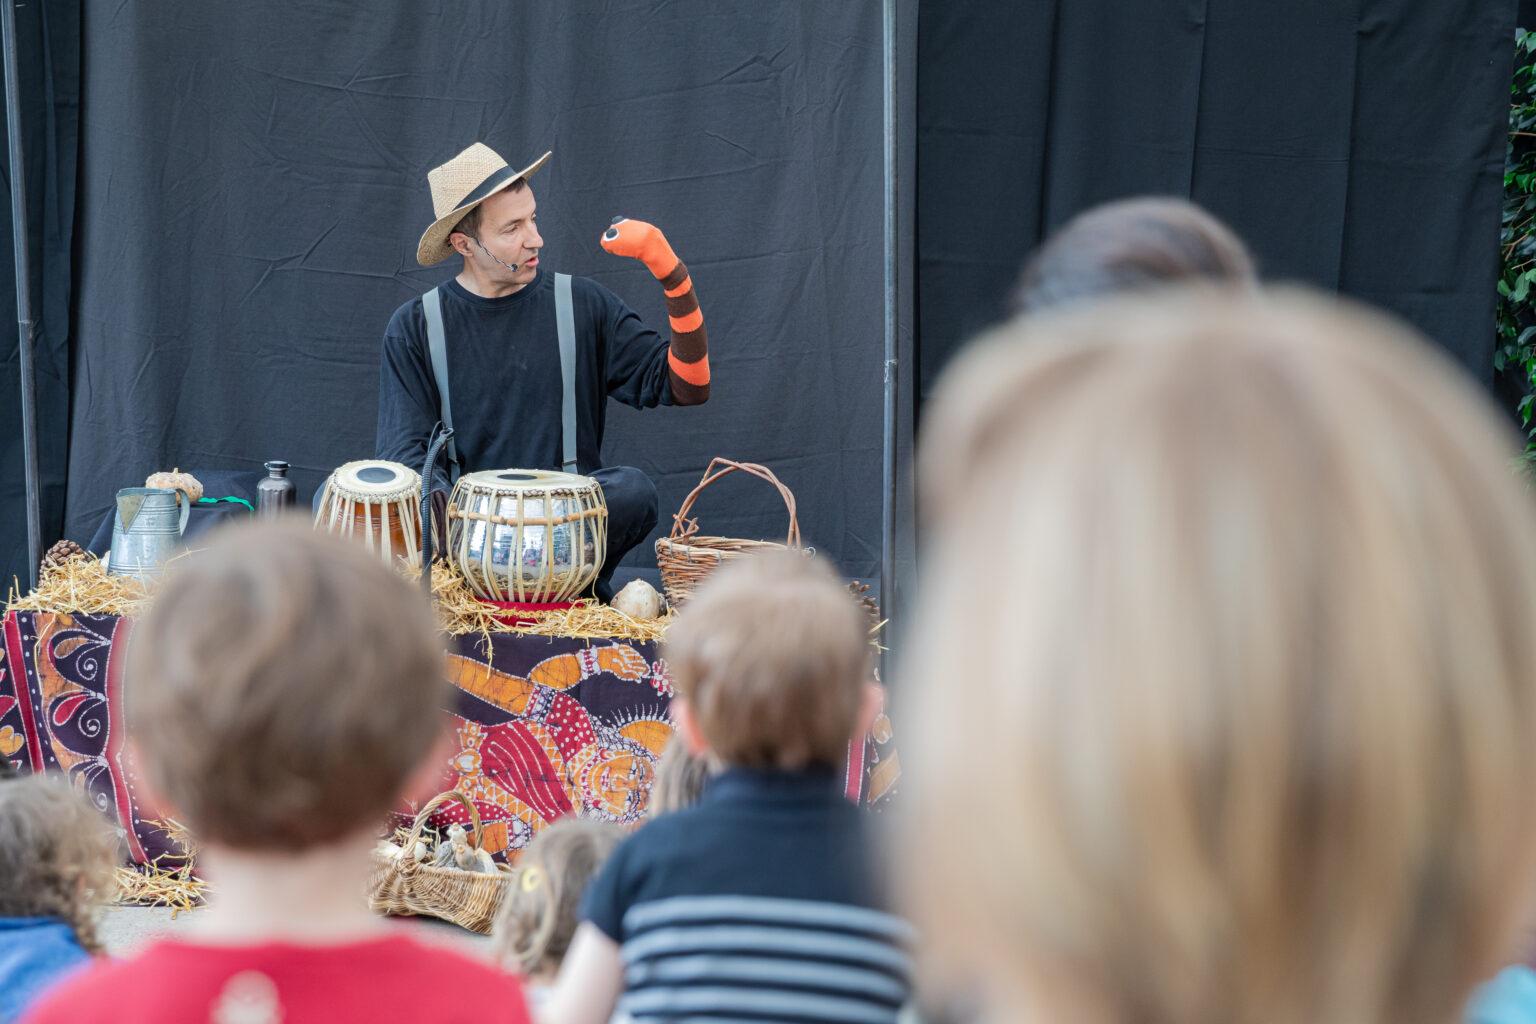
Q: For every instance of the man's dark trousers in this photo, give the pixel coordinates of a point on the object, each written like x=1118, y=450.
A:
x=633, y=508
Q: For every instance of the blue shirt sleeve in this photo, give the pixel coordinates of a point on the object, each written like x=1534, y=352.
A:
x=609, y=895
x=1509, y=998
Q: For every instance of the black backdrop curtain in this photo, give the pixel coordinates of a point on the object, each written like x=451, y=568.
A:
x=48, y=40
x=253, y=185
x=1357, y=145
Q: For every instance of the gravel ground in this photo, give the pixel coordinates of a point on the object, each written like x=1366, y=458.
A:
x=124, y=930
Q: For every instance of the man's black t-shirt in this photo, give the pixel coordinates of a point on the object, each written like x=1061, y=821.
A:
x=504, y=375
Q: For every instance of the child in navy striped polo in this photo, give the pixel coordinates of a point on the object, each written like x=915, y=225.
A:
x=757, y=903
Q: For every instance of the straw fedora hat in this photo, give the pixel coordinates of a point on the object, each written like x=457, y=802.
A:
x=459, y=186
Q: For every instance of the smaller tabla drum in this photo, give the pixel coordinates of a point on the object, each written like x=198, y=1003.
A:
x=527, y=535
x=377, y=502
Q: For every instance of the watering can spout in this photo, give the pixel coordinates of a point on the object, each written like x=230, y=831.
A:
x=147, y=529
x=128, y=505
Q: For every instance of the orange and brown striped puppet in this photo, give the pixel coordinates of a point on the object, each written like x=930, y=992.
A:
x=688, y=356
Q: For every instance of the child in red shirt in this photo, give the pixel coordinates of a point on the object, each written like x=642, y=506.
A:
x=282, y=693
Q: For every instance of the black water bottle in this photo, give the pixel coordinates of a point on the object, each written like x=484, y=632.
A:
x=274, y=495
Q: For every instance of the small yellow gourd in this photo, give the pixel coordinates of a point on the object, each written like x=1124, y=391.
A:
x=177, y=480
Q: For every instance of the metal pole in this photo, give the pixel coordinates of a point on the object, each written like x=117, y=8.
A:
x=888, y=468
x=25, y=336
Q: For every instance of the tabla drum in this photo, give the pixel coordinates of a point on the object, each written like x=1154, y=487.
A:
x=527, y=535
x=377, y=502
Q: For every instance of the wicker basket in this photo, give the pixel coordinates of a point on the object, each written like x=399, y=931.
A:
x=401, y=886
x=686, y=559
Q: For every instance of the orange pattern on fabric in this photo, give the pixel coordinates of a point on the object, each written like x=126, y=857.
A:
x=624, y=662
x=561, y=672
x=883, y=776
x=50, y=683
x=651, y=735
x=502, y=689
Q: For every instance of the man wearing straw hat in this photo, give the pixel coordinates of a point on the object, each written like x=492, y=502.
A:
x=520, y=361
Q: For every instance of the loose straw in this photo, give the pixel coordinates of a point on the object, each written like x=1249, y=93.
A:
x=81, y=585
x=154, y=885
x=461, y=612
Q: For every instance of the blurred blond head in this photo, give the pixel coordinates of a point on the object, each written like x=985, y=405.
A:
x=680, y=778
x=538, y=914
x=772, y=657
x=1225, y=671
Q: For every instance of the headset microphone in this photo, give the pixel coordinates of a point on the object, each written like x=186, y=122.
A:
x=509, y=266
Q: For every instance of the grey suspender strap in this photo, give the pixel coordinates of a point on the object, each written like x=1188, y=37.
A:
x=432, y=309
x=565, y=325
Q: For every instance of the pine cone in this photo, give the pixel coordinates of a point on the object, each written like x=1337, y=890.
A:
x=62, y=552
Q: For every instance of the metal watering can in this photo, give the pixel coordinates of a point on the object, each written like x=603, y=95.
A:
x=147, y=529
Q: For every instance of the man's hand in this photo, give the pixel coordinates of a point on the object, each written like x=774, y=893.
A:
x=644, y=242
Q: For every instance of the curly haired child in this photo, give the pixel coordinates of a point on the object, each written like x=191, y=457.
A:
x=55, y=867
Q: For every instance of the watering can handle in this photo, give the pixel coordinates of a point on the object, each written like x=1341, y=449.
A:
x=186, y=511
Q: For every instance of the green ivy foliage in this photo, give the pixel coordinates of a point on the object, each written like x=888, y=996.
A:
x=1516, y=349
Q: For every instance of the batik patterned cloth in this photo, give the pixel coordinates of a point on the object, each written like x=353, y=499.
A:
x=61, y=710
x=546, y=727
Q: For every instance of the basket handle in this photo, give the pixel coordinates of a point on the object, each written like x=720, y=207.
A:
x=712, y=474
x=432, y=805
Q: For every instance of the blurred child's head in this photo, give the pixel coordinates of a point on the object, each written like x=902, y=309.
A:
x=282, y=688
x=1132, y=245
x=56, y=855
x=1225, y=674
x=537, y=916
x=680, y=778
x=771, y=657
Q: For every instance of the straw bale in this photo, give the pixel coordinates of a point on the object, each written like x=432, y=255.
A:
x=82, y=584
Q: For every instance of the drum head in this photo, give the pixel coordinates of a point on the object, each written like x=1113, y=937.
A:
x=520, y=479
x=376, y=480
